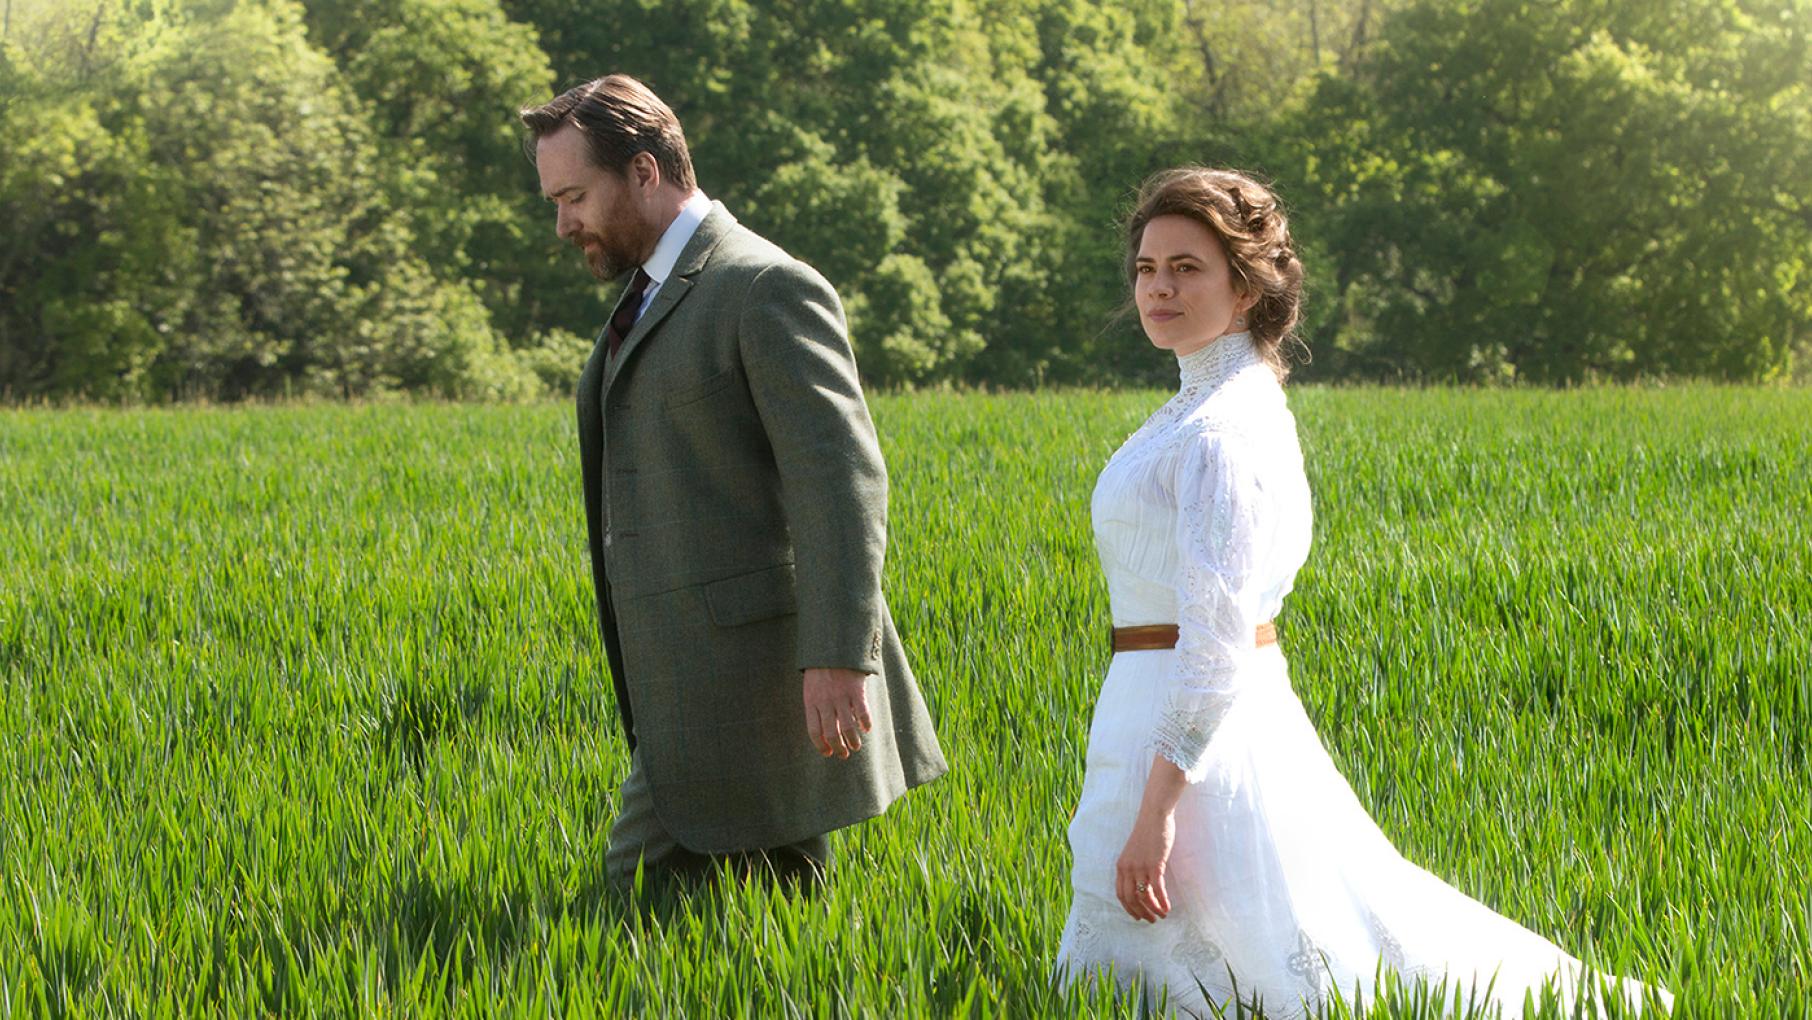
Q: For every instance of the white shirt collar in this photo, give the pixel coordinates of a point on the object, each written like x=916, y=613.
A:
x=667, y=251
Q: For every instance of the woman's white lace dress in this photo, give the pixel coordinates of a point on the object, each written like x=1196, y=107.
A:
x=1278, y=879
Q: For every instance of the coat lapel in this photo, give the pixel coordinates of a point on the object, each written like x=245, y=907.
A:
x=711, y=231
x=664, y=301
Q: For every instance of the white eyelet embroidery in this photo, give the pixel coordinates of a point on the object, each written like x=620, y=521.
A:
x=1185, y=727
x=1200, y=955
x=1084, y=939
x=1389, y=946
x=1308, y=966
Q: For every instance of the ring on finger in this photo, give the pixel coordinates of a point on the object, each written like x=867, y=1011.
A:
x=1142, y=886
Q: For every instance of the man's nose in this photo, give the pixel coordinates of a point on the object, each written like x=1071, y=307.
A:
x=565, y=225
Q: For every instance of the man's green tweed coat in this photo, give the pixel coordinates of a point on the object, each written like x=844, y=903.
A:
x=736, y=505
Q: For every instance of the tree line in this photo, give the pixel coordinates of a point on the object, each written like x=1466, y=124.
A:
x=230, y=199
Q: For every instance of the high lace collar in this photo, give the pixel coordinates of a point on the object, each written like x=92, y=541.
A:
x=1219, y=360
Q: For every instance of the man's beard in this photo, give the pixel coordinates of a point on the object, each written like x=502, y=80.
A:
x=607, y=263
x=608, y=260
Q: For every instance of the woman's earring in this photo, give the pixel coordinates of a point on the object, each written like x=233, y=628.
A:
x=1239, y=323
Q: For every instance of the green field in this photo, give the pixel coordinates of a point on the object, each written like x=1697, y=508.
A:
x=303, y=709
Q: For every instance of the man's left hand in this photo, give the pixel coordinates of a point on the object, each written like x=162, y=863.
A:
x=836, y=710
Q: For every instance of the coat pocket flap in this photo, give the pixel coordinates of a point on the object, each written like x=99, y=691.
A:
x=746, y=598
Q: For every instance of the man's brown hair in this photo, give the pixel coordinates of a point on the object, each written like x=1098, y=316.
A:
x=619, y=117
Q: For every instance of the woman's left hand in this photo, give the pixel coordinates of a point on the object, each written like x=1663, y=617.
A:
x=1139, y=875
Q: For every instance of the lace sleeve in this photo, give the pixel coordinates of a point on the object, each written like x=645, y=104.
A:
x=1221, y=530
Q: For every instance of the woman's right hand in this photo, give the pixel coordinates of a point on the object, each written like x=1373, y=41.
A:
x=1139, y=875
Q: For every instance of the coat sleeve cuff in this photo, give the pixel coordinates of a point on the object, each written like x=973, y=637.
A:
x=849, y=640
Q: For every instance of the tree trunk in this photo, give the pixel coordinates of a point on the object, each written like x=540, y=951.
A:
x=1314, y=34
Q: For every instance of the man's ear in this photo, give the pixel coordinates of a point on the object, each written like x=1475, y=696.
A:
x=644, y=171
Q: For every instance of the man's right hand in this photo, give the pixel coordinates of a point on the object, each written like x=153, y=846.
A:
x=836, y=710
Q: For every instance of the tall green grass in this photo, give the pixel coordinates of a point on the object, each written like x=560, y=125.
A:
x=303, y=710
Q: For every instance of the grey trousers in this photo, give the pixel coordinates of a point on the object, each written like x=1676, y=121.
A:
x=638, y=837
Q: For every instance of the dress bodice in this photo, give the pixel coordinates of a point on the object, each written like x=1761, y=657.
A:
x=1202, y=519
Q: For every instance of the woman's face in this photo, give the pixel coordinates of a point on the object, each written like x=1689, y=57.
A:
x=1183, y=285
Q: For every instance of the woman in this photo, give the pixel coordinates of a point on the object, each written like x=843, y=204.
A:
x=1215, y=842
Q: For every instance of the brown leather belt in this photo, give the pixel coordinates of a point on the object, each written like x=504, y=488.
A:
x=1155, y=636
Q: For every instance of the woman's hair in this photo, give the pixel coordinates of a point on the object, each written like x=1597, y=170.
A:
x=1253, y=232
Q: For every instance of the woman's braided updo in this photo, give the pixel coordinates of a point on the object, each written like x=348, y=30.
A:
x=1255, y=235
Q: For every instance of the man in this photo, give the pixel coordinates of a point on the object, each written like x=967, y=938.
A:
x=736, y=505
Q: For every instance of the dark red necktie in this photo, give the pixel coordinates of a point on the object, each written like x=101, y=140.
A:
x=624, y=321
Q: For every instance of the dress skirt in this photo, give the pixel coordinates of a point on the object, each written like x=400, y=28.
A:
x=1279, y=880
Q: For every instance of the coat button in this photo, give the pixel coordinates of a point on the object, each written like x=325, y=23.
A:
x=607, y=540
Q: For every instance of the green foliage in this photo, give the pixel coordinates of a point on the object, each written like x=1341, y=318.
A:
x=1564, y=191
x=306, y=711
x=442, y=81
x=206, y=213
x=83, y=258
x=927, y=156
x=247, y=198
